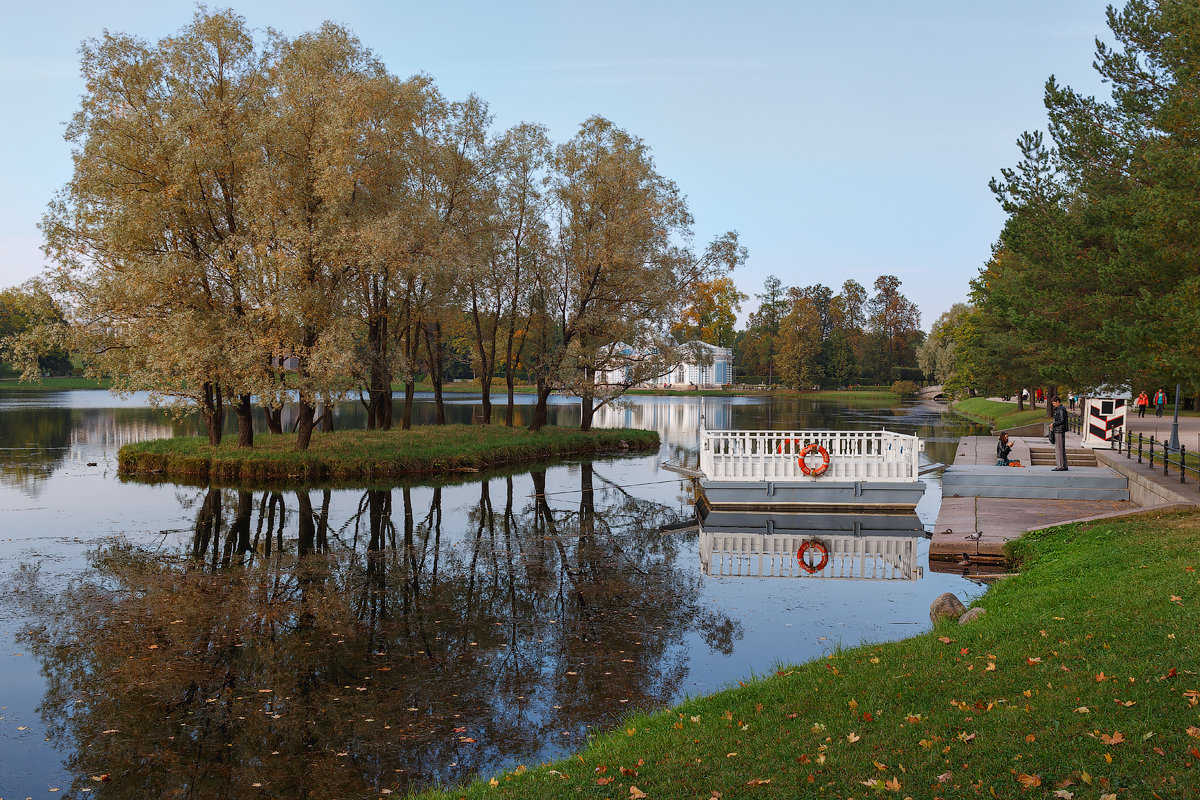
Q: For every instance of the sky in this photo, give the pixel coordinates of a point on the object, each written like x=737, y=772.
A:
x=839, y=139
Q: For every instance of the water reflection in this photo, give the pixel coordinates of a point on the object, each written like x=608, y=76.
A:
x=831, y=546
x=289, y=649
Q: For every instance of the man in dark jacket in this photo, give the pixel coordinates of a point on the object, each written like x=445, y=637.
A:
x=1058, y=426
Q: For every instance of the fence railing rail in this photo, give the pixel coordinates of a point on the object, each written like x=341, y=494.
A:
x=1147, y=450
x=775, y=455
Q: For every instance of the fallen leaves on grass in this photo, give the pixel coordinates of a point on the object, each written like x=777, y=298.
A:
x=1116, y=738
x=1029, y=781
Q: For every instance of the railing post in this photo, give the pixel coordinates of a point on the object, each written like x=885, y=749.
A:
x=1182, y=461
x=1139, y=448
x=1151, y=452
x=1166, y=457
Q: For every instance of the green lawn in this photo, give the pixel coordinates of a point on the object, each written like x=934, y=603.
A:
x=1080, y=681
x=371, y=454
x=1002, y=415
x=46, y=384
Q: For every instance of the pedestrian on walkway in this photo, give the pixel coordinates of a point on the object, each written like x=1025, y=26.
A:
x=1143, y=400
x=1160, y=401
x=1058, y=434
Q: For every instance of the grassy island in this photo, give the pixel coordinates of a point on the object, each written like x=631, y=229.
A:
x=1081, y=677
x=372, y=454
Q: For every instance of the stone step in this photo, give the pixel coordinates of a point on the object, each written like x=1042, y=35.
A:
x=1037, y=492
x=1078, y=477
x=1076, y=456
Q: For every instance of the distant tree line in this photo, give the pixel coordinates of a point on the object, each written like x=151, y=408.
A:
x=1095, y=278
x=287, y=221
x=808, y=336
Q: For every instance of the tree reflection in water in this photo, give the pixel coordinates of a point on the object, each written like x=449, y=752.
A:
x=283, y=654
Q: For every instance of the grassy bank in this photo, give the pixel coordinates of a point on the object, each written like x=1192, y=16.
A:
x=1000, y=414
x=371, y=454
x=1081, y=678
x=46, y=384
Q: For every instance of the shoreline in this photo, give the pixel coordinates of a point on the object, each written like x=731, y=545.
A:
x=498, y=394
x=371, y=455
x=1021, y=697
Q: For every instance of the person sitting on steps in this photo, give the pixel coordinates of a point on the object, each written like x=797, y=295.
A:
x=1058, y=430
x=1003, y=448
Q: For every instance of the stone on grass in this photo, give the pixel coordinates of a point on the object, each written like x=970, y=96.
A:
x=971, y=615
x=945, y=606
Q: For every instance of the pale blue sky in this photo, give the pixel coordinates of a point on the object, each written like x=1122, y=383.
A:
x=840, y=139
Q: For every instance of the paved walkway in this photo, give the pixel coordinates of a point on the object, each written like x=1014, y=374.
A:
x=977, y=527
x=970, y=532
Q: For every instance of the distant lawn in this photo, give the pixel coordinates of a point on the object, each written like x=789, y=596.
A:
x=1002, y=415
x=1080, y=681
x=358, y=454
x=47, y=384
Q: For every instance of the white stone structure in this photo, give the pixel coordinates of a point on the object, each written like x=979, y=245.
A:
x=704, y=365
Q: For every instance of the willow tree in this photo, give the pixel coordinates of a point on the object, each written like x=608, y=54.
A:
x=306, y=193
x=153, y=259
x=621, y=268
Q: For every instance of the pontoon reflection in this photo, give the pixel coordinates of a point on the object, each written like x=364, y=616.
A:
x=765, y=545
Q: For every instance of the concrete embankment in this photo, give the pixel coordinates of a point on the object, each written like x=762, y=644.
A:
x=984, y=506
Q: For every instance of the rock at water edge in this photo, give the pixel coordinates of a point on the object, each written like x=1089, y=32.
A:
x=971, y=615
x=945, y=606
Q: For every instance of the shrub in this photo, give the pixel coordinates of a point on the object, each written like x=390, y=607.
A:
x=904, y=388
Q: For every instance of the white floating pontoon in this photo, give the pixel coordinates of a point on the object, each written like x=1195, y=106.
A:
x=870, y=471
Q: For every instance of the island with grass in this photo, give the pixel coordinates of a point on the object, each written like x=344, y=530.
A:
x=360, y=454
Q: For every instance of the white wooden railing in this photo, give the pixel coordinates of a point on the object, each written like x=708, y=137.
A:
x=774, y=455
x=774, y=556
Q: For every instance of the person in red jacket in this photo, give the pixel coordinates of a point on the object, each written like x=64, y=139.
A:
x=1142, y=401
x=1160, y=402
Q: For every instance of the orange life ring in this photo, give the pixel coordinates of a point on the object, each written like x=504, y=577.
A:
x=814, y=448
x=782, y=442
x=820, y=548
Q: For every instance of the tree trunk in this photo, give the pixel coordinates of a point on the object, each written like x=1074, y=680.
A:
x=379, y=406
x=274, y=419
x=587, y=401
x=509, y=379
x=327, y=418
x=245, y=421
x=437, y=358
x=1051, y=391
x=1020, y=401
x=539, y=410
x=485, y=386
x=410, y=388
x=304, y=426
x=211, y=410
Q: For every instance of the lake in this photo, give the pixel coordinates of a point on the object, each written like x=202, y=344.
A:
x=161, y=639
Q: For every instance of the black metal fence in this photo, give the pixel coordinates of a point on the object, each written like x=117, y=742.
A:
x=1149, y=451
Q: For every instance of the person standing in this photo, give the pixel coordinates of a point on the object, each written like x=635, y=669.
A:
x=1058, y=431
x=1160, y=401
x=1143, y=400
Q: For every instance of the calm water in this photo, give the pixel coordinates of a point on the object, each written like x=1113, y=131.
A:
x=335, y=643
